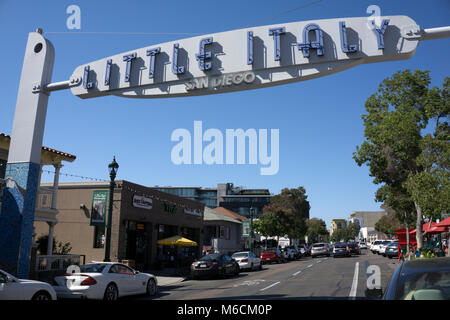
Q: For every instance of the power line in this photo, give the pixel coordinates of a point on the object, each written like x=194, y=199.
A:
x=288, y=11
x=121, y=33
x=177, y=33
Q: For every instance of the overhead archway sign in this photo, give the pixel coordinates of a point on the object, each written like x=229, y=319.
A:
x=248, y=58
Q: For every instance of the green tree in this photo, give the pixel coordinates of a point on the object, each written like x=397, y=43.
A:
x=315, y=228
x=397, y=153
x=387, y=224
x=268, y=224
x=295, y=211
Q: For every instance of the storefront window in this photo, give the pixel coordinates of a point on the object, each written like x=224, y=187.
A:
x=99, y=237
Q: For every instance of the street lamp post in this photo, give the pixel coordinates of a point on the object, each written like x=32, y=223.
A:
x=112, y=167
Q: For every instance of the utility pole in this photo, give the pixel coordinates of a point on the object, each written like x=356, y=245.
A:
x=252, y=234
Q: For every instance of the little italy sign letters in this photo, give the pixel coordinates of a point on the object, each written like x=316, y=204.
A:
x=248, y=58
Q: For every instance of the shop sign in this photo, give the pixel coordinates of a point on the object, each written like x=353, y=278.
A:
x=142, y=202
x=245, y=229
x=248, y=58
x=170, y=208
x=98, y=212
x=194, y=212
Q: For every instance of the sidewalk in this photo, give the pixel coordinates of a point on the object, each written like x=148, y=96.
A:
x=169, y=276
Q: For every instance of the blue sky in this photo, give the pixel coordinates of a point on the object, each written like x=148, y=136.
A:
x=319, y=120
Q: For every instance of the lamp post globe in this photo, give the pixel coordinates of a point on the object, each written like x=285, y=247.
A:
x=112, y=168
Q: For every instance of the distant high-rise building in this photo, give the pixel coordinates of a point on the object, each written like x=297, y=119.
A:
x=236, y=199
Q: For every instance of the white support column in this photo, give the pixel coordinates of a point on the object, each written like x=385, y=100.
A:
x=51, y=229
x=55, y=184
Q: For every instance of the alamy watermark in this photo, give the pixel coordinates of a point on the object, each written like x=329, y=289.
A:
x=220, y=148
x=74, y=19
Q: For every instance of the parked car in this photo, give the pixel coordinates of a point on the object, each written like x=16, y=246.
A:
x=215, y=264
x=302, y=250
x=247, y=260
x=353, y=248
x=272, y=255
x=12, y=288
x=340, y=249
x=391, y=250
x=320, y=249
x=104, y=280
x=383, y=246
x=362, y=245
x=288, y=253
x=297, y=252
x=375, y=246
x=421, y=279
x=308, y=250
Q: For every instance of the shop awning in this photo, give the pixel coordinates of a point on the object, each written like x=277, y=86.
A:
x=434, y=228
x=444, y=223
x=177, y=241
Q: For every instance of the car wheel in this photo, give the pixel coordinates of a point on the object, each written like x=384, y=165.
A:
x=260, y=266
x=251, y=267
x=111, y=293
x=390, y=257
x=41, y=295
x=152, y=288
x=236, y=271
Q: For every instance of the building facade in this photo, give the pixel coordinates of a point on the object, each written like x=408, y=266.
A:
x=46, y=213
x=222, y=233
x=141, y=216
x=366, y=219
x=337, y=224
x=236, y=199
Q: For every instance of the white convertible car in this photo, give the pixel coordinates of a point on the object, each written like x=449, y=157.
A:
x=12, y=288
x=104, y=280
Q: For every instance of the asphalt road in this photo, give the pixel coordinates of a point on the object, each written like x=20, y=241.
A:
x=307, y=278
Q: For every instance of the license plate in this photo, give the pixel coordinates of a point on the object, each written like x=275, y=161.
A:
x=267, y=259
x=202, y=266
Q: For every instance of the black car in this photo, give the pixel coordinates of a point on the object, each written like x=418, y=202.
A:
x=340, y=249
x=214, y=265
x=391, y=250
x=353, y=248
x=421, y=279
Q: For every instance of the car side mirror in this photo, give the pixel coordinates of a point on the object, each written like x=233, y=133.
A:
x=136, y=272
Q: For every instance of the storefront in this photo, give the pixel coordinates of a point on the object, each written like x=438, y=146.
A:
x=141, y=216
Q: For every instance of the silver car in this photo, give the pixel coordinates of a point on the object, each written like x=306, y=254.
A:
x=320, y=249
x=247, y=260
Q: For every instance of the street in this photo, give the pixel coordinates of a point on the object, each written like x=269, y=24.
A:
x=307, y=278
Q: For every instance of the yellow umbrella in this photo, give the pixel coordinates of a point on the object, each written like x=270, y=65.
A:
x=177, y=241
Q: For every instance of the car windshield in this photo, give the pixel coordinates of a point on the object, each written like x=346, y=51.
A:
x=210, y=257
x=393, y=244
x=93, y=268
x=318, y=245
x=340, y=245
x=240, y=255
x=434, y=285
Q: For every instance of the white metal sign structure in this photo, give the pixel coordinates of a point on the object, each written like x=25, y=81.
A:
x=247, y=58
x=223, y=62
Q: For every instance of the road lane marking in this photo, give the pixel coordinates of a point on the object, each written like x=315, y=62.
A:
x=297, y=273
x=273, y=284
x=249, y=283
x=309, y=266
x=352, y=294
